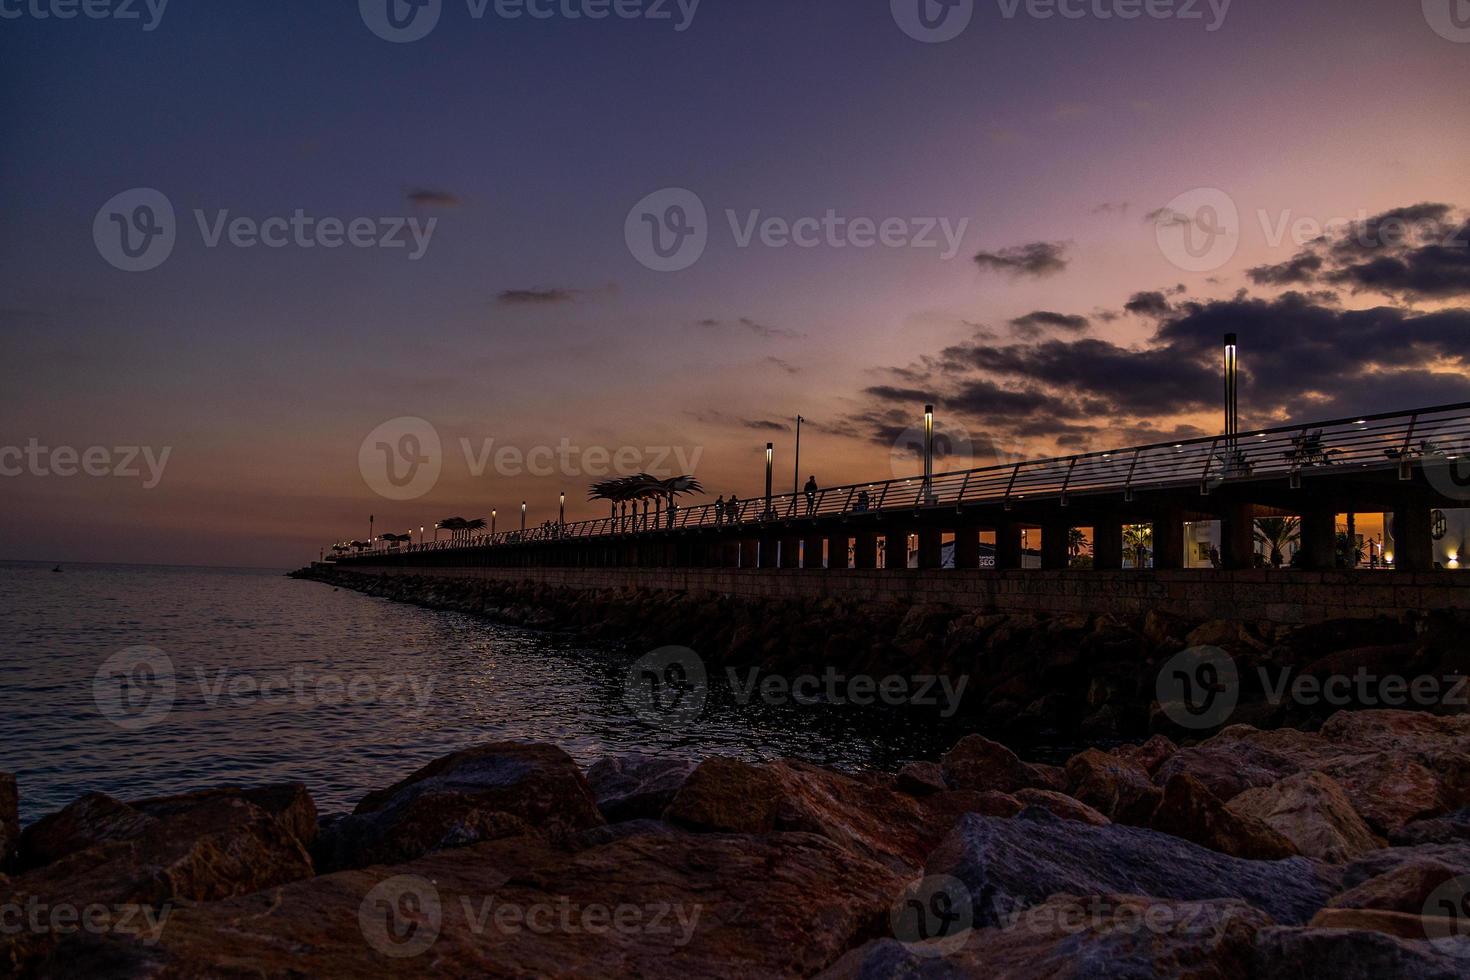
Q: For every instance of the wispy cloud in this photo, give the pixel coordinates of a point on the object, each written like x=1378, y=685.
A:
x=746, y=323
x=432, y=197
x=1037, y=260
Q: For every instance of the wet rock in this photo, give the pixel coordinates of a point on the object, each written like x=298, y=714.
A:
x=1405, y=888
x=1061, y=805
x=784, y=905
x=289, y=803
x=977, y=763
x=1228, y=768
x=628, y=787
x=1069, y=937
x=1190, y=811
x=93, y=819
x=1388, y=789
x=922, y=778
x=1312, y=811
x=1450, y=828
x=727, y=795
x=1346, y=954
x=1014, y=864
x=1117, y=788
x=9, y=819
x=1401, y=924
x=1151, y=754
x=484, y=793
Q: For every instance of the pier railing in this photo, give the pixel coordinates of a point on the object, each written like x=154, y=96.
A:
x=1390, y=441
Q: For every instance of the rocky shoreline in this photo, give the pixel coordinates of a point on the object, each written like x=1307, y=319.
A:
x=1063, y=677
x=1340, y=853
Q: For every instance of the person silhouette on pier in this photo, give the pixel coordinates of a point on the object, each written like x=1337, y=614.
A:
x=732, y=507
x=811, y=495
x=719, y=510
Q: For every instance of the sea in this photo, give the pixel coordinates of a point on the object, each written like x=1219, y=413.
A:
x=139, y=681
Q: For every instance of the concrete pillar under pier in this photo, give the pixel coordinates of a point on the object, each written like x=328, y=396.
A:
x=1413, y=548
x=896, y=548
x=1237, y=537
x=865, y=550
x=837, y=550
x=931, y=548
x=1168, y=538
x=1318, y=540
x=790, y=551
x=967, y=547
x=1107, y=544
x=1008, y=546
x=749, y=551
x=1054, y=554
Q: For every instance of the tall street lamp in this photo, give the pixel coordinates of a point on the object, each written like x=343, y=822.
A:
x=770, y=457
x=928, y=451
x=1232, y=416
x=796, y=467
x=523, y=515
x=562, y=518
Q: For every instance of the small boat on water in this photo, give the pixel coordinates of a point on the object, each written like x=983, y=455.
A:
x=56, y=569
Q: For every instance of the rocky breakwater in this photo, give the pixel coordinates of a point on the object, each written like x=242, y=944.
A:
x=1341, y=853
x=1050, y=676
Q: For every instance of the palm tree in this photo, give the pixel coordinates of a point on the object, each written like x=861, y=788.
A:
x=642, y=487
x=1138, y=540
x=1276, y=534
x=1077, y=542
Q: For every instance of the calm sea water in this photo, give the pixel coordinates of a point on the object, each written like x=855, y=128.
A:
x=246, y=676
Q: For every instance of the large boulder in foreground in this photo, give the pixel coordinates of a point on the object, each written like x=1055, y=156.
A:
x=636, y=786
x=1350, y=954
x=1069, y=938
x=1312, y=811
x=290, y=803
x=1117, y=787
x=662, y=905
x=9, y=819
x=1010, y=865
x=977, y=763
x=1190, y=811
x=485, y=793
x=93, y=819
x=1446, y=829
x=867, y=813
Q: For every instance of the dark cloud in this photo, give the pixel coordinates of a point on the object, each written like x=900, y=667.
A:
x=1153, y=303
x=746, y=323
x=534, y=297
x=428, y=197
x=1108, y=207
x=781, y=365
x=1038, y=259
x=1416, y=252
x=1034, y=324
x=736, y=422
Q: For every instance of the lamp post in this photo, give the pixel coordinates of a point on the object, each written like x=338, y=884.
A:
x=796, y=468
x=562, y=516
x=523, y=516
x=928, y=451
x=1232, y=417
x=770, y=457
x=492, y=521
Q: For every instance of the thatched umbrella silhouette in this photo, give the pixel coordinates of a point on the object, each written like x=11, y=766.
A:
x=642, y=487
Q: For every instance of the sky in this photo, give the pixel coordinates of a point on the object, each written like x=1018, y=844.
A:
x=1041, y=224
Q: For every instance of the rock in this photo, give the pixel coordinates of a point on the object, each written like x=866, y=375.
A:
x=1228, y=768
x=922, y=778
x=483, y=793
x=1439, y=743
x=1226, y=633
x=289, y=803
x=1190, y=811
x=629, y=787
x=1388, y=789
x=9, y=819
x=1050, y=777
x=1061, y=805
x=1344, y=954
x=1068, y=937
x=1013, y=864
x=1151, y=754
x=1447, y=829
x=727, y=795
x=93, y=819
x=1165, y=630
x=977, y=763
x=866, y=814
x=1405, y=888
x=1381, y=862
x=1312, y=811
x=690, y=905
x=1117, y=788
x=1400, y=924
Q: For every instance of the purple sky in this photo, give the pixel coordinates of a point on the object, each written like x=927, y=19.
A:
x=1059, y=153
